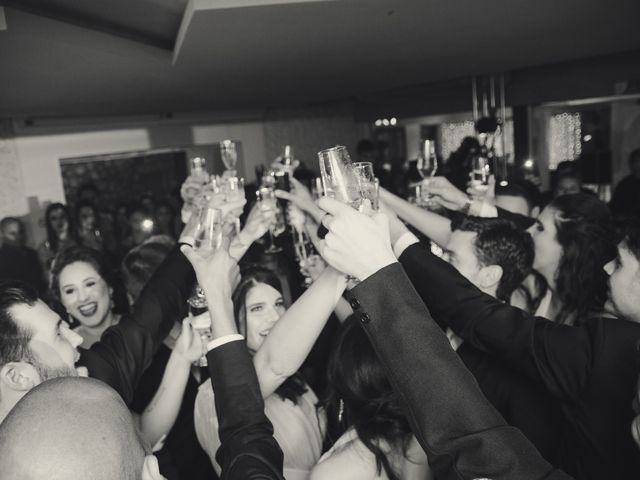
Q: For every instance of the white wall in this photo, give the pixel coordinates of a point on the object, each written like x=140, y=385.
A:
x=39, y=156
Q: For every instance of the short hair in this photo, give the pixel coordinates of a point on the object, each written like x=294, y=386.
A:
x=14, y=339
x=523, y=189
x=500, y=242
x=140, y=263
x=4, y=223
x=630, y=235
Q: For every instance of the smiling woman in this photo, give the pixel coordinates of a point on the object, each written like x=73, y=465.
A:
x=85, y=288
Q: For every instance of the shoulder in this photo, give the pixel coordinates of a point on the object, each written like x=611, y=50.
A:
x=349, y=458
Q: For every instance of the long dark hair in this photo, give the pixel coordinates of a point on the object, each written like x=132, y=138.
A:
x=359, y=395
x=585, y=230
x=294, y=386
x=52, y=236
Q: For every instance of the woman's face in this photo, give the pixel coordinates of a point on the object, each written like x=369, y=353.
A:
x=264, y=305
x=87, y=218
x=59, y=221
x=548, y=250
x=85, y=294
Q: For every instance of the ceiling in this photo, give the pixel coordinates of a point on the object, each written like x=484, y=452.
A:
x=103, y=57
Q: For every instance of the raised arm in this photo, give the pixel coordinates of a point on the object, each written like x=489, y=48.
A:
x=462, y=434
x=248, y=449
x=126, y=349
x=556, y=355
x=159, y=416
x=292, y=337
x=434, y=226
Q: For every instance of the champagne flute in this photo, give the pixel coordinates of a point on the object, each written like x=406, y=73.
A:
x=367, y=182
x=229, y=154
x=427, y=164
x=207, y=239
x=267, y=200
x=338, y=177
x=235, y=193
x=480, y=172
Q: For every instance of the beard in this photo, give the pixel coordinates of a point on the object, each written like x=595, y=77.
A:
x=48, y=372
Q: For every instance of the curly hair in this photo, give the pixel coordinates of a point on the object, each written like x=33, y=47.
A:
x=294, y=386
x=500, y=242
x=585, y=230
x=359, y=395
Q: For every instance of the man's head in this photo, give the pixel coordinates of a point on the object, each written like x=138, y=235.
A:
x=35, y=344
x=491, y=253
x=71, y=428
x=624, y=274
x=519, y=197
x=12, y=231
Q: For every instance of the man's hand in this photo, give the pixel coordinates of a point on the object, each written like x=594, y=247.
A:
x=356, y=244
x=217, y=273
x=301, y=198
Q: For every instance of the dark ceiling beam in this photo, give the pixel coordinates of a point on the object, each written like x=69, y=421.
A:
x=91, y=23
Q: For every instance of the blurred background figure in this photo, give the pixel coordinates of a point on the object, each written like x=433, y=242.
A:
x=60, y=235
x=17, y=261
x=626, y=196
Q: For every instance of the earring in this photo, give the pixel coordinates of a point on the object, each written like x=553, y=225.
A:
x=340, y=410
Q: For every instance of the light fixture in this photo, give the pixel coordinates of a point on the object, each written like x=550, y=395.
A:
x=528, y=163
x=393, y=121
x=587, y=138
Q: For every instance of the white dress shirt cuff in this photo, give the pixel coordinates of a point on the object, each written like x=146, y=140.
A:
x=218, y=342
x=406, y=240
x=483, y=209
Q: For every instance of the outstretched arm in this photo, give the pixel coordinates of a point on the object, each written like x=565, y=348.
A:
x=462, y=434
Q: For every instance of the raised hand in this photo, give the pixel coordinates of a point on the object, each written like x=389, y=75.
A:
x=356, y=244
x=446, y=194
x=189, y=345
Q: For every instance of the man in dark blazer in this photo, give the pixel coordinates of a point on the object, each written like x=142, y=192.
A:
x=591, y=370
x=248, y=449
x=35, y=344
x=462, y=434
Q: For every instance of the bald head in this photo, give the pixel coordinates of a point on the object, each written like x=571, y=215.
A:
x=70, y=428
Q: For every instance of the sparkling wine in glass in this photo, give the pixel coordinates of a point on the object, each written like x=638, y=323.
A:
x=338, y=177
x=207, y=239
x=267, y=201
x=367, y=182
x=229, y=154
x=480, y=172
x=427, y=164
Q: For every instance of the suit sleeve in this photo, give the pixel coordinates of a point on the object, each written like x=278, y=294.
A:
x=127, y=349
x=248, y=449
x=462, y=434
x=558, y=356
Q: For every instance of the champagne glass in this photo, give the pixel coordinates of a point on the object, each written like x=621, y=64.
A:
x=235, y=193
x=427, y=164
x=229, y=154
x=480, y=172
x=338, y=176
x=207, y=239
x=367, y=182
x=267, y=201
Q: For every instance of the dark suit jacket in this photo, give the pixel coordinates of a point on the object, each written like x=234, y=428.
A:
x=463, y=435
x=591, y=370
x=21, y=263
x=248, y=449
x=125, y=350
x=521, y=402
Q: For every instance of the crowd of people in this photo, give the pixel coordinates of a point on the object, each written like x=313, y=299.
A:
x=494, y=334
